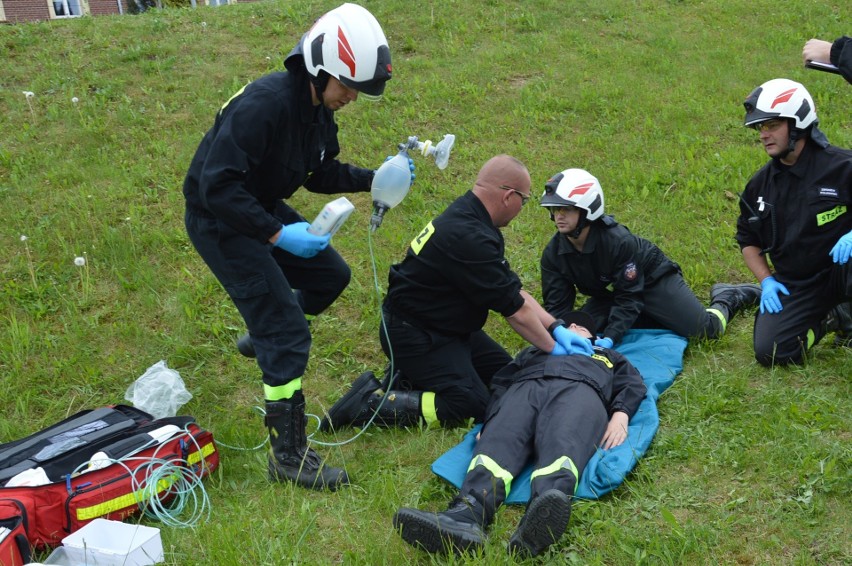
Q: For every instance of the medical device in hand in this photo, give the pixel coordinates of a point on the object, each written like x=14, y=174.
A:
x=393, y=179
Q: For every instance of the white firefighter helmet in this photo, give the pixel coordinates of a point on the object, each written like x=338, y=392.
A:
x=348, y=43
x=780, y=98
x=575, y=187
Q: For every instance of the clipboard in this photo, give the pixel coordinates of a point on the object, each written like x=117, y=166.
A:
x=825, y=67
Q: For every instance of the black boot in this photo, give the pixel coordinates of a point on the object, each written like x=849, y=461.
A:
x=542, y=525
x=731, y=299
x=290, y=459
x=366, y=397
x=839, y=321
x=461, y=528
x=245, y=346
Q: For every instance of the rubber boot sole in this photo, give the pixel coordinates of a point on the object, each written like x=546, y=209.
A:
x=348, y=407
x=542, y=525
x=435, y=534
x=324, y=478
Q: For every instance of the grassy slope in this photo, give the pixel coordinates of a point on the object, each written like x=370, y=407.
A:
x=750, y=466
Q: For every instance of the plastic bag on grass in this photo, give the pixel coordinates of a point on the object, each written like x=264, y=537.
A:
x=159, y=391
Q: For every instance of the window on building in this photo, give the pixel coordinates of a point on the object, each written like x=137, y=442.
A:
x=67, y=8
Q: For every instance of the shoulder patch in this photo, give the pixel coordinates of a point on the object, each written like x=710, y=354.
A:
x=630, y=271
x=602, y=359
x=420, y=240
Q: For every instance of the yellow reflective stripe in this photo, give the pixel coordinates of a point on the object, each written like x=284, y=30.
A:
x=829, y=215
x=136, y=497
x=558, y=465
x=278, y=392
x=428, y=410
x=494, y=468
x=811, y=339
x=239, y=92
x=721, y=318
x=423, y=237
x=603, y=359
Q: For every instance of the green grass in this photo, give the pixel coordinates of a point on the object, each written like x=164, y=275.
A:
x=750, y=465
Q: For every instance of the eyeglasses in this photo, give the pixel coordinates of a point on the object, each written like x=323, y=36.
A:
x=562, y=209
x=768, y=125
x=524, y=198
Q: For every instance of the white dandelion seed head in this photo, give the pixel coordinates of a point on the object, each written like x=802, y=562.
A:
x=79, y=261
x=29, y=93
x=204, y=24
x=23, y=238
x=75, y=100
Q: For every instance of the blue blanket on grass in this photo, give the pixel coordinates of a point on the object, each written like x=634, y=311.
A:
x=658, y=355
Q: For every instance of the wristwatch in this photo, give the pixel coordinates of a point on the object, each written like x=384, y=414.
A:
x=556, y=323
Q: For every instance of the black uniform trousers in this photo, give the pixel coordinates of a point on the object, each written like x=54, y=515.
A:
x=272, y=289
x=785, y=337
x=669, y=303
x=458, y=369
x=543, y=420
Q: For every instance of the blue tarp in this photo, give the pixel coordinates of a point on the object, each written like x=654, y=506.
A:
x=658, y=355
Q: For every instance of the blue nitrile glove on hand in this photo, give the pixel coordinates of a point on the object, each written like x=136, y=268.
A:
x=572, y=342
x=769, y=301
x=604, y=342
x=296, y=239
x=842, y=249
x=410, y=165
x=558, y=350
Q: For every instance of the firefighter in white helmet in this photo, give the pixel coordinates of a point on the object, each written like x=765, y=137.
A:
x=629, y=281
x=273, y=136
x=795, y=226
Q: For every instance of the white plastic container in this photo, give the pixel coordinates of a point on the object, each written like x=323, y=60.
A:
x=110, y=543
x=332, y=216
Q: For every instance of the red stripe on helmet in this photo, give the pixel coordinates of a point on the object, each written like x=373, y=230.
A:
x=344, y=51
x=580, y=189
x=783, y=97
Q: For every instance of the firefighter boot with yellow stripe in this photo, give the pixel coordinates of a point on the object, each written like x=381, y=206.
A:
x=290, y=458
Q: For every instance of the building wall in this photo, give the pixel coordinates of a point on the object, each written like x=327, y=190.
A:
x=13, y=11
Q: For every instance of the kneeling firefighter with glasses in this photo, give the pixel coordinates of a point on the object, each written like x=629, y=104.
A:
x=795, y=213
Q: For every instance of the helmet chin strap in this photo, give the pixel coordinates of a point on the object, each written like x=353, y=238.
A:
x=582, y=222
x=320, y=82
x=795, y=135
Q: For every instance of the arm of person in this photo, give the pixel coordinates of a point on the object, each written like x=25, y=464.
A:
x=616, y=430
x=531, y=322
x=558, y=291
x=756, y=263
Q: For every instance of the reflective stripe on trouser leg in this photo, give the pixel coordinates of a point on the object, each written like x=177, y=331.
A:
x=563, y=463
x=279, y=392
x=494, y=468
x=428, y=410
x=722, y=319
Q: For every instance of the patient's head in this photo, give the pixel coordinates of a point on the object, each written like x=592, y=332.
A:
x=581, y=323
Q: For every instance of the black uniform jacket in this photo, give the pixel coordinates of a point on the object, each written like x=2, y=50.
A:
x=802, y=211
x=266, y=142
x=455, y=272
x=618, y=384
x=615, y=264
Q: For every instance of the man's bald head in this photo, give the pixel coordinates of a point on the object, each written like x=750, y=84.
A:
x=496, y=186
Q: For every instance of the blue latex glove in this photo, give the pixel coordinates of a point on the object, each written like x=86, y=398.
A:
x=558, y=350
x=410, y=165
x=769, y=301
x=572, y=342
x=296, y=239
x=604, y=342
x=842, y=249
